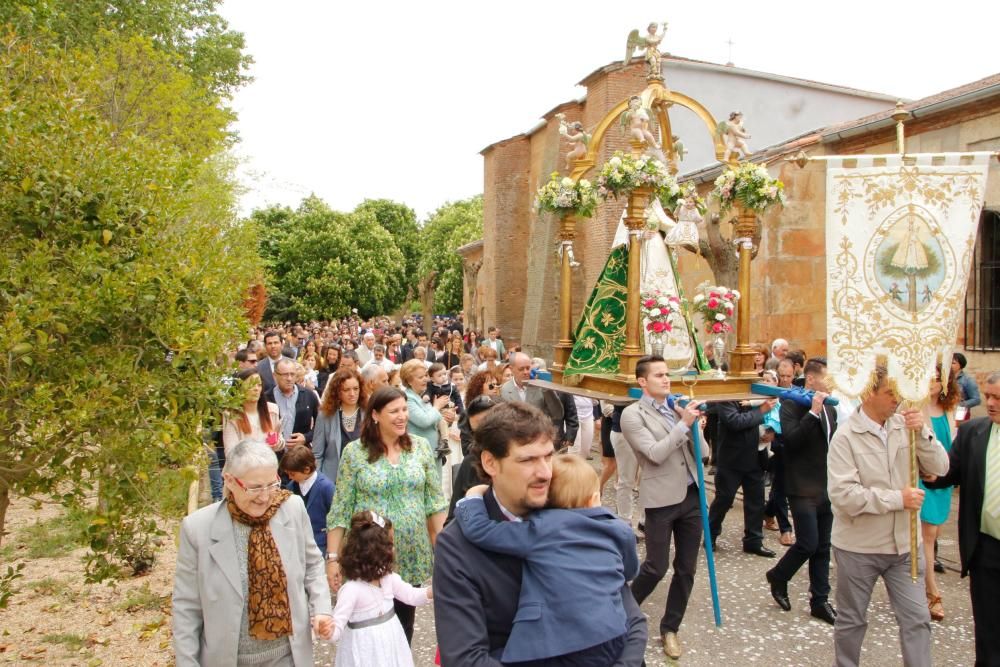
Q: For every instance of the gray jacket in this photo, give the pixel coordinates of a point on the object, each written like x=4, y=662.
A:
x=665, y=451
x=208, y=599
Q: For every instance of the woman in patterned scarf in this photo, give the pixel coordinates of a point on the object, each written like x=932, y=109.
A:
x=249, y=586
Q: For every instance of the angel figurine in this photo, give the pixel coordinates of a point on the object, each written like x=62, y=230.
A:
x=734, y=136
x=636, y=119
x=651, y=43
x=575, y=135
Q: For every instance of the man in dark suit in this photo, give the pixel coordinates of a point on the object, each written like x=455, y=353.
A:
x=975, y=466
x=266, y=366
x=559, y=406
x=738, y=465
x=297, y=407
x=807, y=431
x=476, y=591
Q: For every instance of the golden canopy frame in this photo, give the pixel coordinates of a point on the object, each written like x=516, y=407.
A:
x=658, y=98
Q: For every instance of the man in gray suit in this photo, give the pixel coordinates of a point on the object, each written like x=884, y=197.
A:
x=549, y=402
x=659, y=433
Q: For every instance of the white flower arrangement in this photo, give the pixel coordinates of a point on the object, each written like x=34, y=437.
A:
x=624, y=173
x=750, y=186
x=563, y=195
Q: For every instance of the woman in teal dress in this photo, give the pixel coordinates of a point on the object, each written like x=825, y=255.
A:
x=396, y=475
x=940, y=412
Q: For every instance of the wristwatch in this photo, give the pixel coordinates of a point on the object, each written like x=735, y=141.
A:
x=331, y=557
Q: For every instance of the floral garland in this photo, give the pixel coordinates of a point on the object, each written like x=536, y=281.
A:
x=657, y=307
x=749, y=186
x=717, y=305
x=563, y=195
x=624, y=173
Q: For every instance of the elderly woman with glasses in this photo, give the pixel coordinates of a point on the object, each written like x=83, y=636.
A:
x=249, y=586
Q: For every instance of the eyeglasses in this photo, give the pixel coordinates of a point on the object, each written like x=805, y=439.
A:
x=286, y=375
x=254, y=491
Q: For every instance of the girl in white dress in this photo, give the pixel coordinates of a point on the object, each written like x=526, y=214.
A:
x=365, y=620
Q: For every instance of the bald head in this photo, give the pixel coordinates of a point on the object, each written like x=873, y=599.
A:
x=521, y=367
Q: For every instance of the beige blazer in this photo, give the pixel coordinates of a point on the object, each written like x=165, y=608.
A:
x=666, y=457
x=208, y=597
x=865, y=480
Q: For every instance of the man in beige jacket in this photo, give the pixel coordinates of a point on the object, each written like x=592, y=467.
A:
x=868, y=483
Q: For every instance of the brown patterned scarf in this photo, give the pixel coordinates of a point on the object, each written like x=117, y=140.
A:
x=268, y=610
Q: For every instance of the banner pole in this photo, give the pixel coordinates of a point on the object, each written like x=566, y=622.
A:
x=703, y=501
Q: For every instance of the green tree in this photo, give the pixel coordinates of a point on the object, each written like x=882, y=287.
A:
x=449, y=228
x=327, y=262
x=401, y=222
x=122, y=277
x=190, y=30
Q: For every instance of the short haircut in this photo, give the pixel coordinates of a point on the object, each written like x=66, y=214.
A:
x=815, y=366
x=298, y=459
x=777, y=342
x=797, y=357
x=642, y=366
x=491, y=329
x=993, y=378
x=378, y=347
x=480, y=404
x=785, y=361
x=287, y=362
x=879, y=379
x=272, y=334
x=512, y=422
x=249, y=455
x=409, y=370
x=574, y=482
x=960, y=358
x=436, y=367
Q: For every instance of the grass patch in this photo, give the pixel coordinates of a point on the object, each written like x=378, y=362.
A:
x=50, y=538
x=141, y=599
x=168, y=492
x=72, y=642
x=49, y=586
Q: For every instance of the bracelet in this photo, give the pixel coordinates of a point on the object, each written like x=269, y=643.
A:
x=331, y=557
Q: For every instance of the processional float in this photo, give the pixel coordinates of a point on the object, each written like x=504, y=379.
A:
x=923, y=239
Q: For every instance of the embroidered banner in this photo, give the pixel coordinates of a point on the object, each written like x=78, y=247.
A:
x=899, y=243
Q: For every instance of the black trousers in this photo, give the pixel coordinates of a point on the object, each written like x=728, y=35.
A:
x=683, y=522
x=406, y=615
x=727, y=481
x=984, y=588
x=813, y=519
x=777, y=501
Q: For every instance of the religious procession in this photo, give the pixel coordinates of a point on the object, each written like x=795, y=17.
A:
x=713, y=306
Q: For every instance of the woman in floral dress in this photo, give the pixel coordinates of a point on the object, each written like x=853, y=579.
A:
x=396, y=475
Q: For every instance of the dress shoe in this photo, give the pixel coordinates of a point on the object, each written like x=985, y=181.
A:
x=938, y=567
x=671, y=645
x=779, y=590
x=787, y=538
x=824, y=612
x=641, y=527
x=760, y=550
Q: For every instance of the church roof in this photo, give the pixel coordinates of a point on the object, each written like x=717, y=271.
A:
x=968, y=93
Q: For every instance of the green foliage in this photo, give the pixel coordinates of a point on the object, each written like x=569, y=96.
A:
x=324, y=262
x=449, y=228
x=401, y=222
x=120, y=246
x=142, y=599
x=7, y=580
x=189, y=30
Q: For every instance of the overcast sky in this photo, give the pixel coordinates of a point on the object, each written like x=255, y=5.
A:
x=355, y=100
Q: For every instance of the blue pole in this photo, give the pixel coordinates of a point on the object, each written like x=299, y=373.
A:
x=709, y=554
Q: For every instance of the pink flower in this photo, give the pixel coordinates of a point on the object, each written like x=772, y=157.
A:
x=713, y=303
x=659, y=327
x=649, y=303
x=730, y=296
x=714, y=295
x=649, y=327
x=717, y=327
x=729, y=312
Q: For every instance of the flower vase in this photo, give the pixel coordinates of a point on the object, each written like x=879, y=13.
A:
x=656, y=345
x=719, y=351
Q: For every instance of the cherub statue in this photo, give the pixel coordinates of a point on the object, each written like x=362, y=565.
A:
x=690, y=225
x=734, y=136
x=575, y=136
x=636, y=119
x=679, y=148
x=651, y=43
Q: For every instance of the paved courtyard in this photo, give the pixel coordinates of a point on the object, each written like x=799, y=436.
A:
x=754, y=630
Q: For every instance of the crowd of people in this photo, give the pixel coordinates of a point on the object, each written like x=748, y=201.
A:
x=399, y=464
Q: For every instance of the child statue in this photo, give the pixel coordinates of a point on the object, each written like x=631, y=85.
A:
x=734, y=137
x=636, y=118
x=578, y=139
